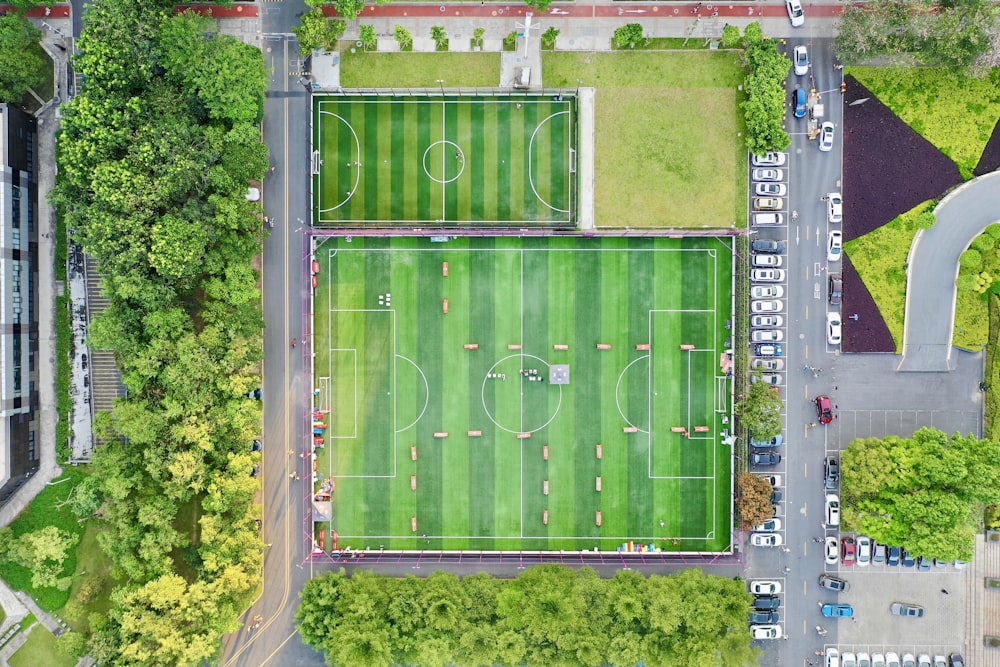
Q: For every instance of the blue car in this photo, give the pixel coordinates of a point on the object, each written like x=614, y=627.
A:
x=838, y=610
x=776, y=441
x=799, y=101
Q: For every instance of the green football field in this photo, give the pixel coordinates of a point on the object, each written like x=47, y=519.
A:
x=447, y=161
x=438, y=366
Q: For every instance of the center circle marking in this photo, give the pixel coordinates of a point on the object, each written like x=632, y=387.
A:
x=489, y=413
x=445, y=143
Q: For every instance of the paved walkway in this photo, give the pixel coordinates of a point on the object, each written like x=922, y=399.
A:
x=933, y=266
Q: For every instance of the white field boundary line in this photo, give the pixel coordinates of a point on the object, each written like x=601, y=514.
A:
x=444, y=156
x=357, y=172
x=531, y=178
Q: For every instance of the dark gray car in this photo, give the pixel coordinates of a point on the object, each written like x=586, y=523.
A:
x=831, y=472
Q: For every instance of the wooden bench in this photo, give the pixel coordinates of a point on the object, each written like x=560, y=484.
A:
x=413, y=523
x=413, y=452
x=597, y=483
x=643, y=346
x=545, y=452
x=687, y=348
x=701, y=429
x=560, y=347
x=524, y=436
x=513, y=346
x=545, y=517
x=413, y=482
x=472, y=346
x=597, y=518
x=678, y=429
x=441, y=434
x=444, y=306
x=603, y=346
x=444, y=269
x=475, y=434
x=600, y=451
x=545, y=487
x=630, y=429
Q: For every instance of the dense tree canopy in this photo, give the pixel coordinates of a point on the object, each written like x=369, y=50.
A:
x=155, y=158
x=764, y=108
x=549, y=615
x=761, y=409
x=23, y=64
x=926, y=493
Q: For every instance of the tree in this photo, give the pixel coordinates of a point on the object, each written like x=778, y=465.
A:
x=403, y=37
x=628, y=35
x=368, y=37
x=23, y=64
x=730, y=36
x=44, y=552
x=318, y=32
x=754, y=500
x=73, y=644
x=764, y=107
x=549, y=37
x=761, y=409
x=440, y=37
x=540, y=5
x=477, y=37
x=349, y=9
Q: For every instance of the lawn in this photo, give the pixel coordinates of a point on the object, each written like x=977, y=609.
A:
x=955, y=112
x=433, y=444
x=419, y=70
x=445, y=160
x=92, y=561
x=40, y=649
x=667, y=146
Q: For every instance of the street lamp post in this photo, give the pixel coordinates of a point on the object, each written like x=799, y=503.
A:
x=440, y=83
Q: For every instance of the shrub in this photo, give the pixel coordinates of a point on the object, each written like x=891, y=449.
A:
x=403, y=38
x=926, y=220
x=510, y=41
x=730, y=37
x=971, y=259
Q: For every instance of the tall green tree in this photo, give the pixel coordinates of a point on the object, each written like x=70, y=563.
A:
x=23, y=64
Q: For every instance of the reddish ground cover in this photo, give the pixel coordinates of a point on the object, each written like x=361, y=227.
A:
x=990, y=159
x=867, y=333
x=888, y=168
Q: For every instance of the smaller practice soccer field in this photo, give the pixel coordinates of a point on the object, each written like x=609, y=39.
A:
x=511, y=393
x=444, y=160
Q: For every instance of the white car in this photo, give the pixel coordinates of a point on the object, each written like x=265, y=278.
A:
x=826, y=137
x=795, y=13
x=834, y=330
x=939, y=661
x=767, y=275
x=766, y=336
x=832, y=657
x=770, y=189
x=768, y=365
x=864, y=660
x=848, y=660
x=767, y=292
x=771, y=524
x=769, y=159
x=832, y=550
x=832, y=510
x=923, y=660
x=765, y=631
x=835, y=207
x=775, y=481
x=891, y=659
x=767, y=260
x=800, y=57
x=864, y=552
x=767, y=175
x=765, y=586
x=770, y=306
x=835, y=246
x=765, y=539
x=767, y=320
x=878, y=660
x=773, y=379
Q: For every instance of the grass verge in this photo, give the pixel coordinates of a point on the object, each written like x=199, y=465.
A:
x=880, y=259
x=418, y=70
x=952, y=110
x=40, y=649
x=658, y=162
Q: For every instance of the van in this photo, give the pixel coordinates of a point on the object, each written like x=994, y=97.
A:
x=768, y=219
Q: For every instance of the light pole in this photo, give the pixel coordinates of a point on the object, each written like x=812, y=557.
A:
x=440, y=82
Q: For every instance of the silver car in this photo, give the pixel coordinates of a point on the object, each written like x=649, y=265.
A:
x=770, y=189
x=767, y=336
x=767, y=175
x=766, y=320
x=767, y=275
x=768, y=365
x=766, y=306
x=767, y=292
x=826, y=137
x=767, y=260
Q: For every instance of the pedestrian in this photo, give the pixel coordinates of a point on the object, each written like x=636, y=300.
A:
x=824, y=198
x=787, y=569
x=945, y=591
x=786, y=550
x=293, y=342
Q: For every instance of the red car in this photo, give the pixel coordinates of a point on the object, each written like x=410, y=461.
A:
x=824, y=409
x=848, y=551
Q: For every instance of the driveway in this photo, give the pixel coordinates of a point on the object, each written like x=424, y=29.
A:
x=933, y=267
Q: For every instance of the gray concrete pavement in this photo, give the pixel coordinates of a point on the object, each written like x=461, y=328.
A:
x=929, y=322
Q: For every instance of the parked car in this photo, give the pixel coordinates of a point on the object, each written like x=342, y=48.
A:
x=848, y=660
x=864, y=660
x=256, y=446
x=768, y=245
x=906, y=609
x=894, y=556
x=826, y=137
x=769, y=526
x=940, y=661
x=768, y=349
x=923, y=564
x=776, y=496
x=799, y=102
x=766, y=260
x=835, y=246
x=767, y=174
x=765, y=587
x=766, y=321
x=956, y=660
x=939, y=563
x=834, y=329
x=765, y=539
x=766, y=602
x=770, y=189
x=768, y=203
x=773, y=379
x=909, y=660
x=776, y=441
x=764, y=617
x=835, y=207
x=836, y=289
x=907, y=560
x=768, y=306
x=878, y=660
x=767, y=292
x=765, y=631
x=864, y=550
x=775, y=480
x=824, y=409
x=768, y=364
x=878, y=554
x=831, y=472
x=838, y=610
x=891, y=659
x=923, y=660
x=832, y=657
x=769, y=159
x=767, y=219
x=765, y=459
x=848, y=551
x=800, y=58
x=960, y=564
x=832, y=583
x=832, y=510
x=767, y=275
x=832, y=550
x=795, y=13
x=766, y=336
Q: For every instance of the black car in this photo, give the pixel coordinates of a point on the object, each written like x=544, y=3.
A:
x=766, y=603
x=836, y=289
x=255, y=447
x=955, y=660
x=831, y=583
x=764, y=617
x=831, y=472
x=765, y=459
x=776, y=496
x=768, y=246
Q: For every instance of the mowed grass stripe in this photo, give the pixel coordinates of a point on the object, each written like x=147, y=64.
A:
x=525, y=206
x=428, y=130
x=476, y=161
x=369, y=185
x=536, y=408
x=479, y=270
x=491, y=164
x=507, y=405
x=504, y=150
x=401, y=126
x=453, y=116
